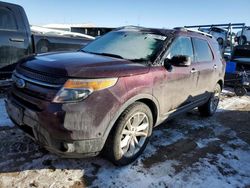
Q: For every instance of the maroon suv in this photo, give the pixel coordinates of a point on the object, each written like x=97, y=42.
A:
x=109, y=95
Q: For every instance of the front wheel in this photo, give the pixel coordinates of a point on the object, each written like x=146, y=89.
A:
x=210, y=107
x=130, y=135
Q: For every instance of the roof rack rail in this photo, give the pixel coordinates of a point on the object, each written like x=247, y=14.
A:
x=195, y=31
x=225, y=26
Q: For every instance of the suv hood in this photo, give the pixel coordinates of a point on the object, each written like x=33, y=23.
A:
x=82, y=65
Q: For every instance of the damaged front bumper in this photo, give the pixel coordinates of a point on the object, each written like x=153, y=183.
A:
x=27, y=120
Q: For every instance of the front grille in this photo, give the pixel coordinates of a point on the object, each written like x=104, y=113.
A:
x=27, y=103
x=41, y=76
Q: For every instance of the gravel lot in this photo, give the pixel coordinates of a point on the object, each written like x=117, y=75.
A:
x=189, y=151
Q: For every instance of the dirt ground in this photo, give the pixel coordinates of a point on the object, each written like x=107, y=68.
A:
x=188, y=151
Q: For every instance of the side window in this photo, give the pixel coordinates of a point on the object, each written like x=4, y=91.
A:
x=202, y=50
x=181, y=46
x=7, y=19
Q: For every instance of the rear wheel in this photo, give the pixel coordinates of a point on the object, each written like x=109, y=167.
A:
x=240, y=91
x=210, y=107
x=130, y=135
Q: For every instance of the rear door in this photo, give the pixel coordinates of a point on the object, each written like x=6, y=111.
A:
x=14, y=42
x=205, y=64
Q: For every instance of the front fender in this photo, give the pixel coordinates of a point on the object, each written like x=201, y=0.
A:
x=124, y=107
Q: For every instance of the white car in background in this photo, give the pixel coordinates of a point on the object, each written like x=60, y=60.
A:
x=243, y=37
x=219, y=33
x=55, y=32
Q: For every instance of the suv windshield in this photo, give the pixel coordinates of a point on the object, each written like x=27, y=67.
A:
x=131, y=45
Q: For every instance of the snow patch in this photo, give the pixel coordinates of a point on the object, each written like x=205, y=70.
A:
x=4, y=118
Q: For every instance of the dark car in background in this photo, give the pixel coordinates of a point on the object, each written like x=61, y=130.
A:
x=109, y=96
x=17, y=41
x=238, y=69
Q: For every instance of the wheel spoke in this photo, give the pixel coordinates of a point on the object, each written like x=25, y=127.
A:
x=141, y=119
x=141, y=134
x=136, y=141
x=132, y=146
x=135, y=120
x=126, y=132
x=129, y=125
x=125, y=141
x=142, y=127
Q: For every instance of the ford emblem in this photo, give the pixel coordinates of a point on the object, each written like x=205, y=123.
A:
x=20, y=83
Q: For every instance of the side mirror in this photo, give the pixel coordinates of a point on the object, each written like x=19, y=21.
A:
x=178, y=61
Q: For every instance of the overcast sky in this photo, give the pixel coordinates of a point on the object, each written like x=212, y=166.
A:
x=150, y=13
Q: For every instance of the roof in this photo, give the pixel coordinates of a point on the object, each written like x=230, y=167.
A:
x=167, y=31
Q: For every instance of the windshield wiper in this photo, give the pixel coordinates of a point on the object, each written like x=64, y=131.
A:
x=139, y=60
x=110, y=55
x=104, y=54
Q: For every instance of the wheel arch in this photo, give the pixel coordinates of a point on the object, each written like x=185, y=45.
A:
x=40, y=43
x=221, y=83
x=147, y=99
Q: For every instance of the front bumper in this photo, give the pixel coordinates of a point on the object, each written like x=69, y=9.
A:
x=63, y=145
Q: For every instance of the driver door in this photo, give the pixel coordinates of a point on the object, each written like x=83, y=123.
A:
x=178, y=85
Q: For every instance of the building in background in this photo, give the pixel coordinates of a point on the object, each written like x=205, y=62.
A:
x=87, y=29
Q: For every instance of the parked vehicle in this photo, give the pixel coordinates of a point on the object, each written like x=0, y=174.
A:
x=109, y=96
x=219, y=33
x=243, y=37
x=47, y=31
x=238, y=70
x=17, y=41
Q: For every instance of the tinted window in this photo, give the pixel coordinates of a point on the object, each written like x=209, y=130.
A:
x=7, y=19
x=181, y=46
x=202, y=50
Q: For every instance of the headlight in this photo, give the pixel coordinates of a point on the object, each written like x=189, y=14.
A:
x=75, y=90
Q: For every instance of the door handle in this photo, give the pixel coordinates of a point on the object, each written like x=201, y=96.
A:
x=215, y=66
x=193, y=71
x=16, y=40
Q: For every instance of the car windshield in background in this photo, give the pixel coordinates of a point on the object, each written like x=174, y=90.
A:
x=130, y=45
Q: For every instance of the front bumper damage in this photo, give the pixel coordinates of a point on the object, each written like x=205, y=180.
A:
x=27, y=121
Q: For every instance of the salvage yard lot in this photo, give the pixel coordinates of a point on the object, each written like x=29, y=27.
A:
x=189, y=151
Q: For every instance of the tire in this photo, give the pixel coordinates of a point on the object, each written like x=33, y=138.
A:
x=43, y=46
x=210, y=107
x=240, y=91
x=125, y=143
x=220, y=41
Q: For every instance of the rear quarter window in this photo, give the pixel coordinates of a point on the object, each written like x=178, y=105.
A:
x=203, y=52
x=7, y=19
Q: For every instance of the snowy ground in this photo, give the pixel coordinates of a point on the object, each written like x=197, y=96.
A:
x=188, y=151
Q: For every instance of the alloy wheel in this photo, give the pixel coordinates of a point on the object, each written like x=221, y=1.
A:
x=134, y=134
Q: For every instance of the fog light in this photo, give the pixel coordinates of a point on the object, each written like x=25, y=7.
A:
x=67, y=147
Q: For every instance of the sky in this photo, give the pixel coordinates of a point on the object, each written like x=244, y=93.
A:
x=148, y=13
